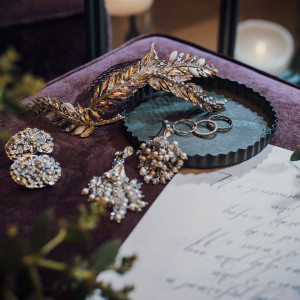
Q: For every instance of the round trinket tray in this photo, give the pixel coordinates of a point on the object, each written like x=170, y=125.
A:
x=253, y=116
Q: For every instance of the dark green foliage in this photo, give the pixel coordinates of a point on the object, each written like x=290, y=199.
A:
x=14, y=87
x=296, y=155
x=22, y=261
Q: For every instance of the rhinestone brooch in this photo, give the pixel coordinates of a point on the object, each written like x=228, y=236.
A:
x=30, y=169
x=35, y=171
x=30, y=140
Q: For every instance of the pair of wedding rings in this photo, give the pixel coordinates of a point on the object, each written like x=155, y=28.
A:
x=211, y=125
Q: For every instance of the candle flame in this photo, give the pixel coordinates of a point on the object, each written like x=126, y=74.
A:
x=260, y=48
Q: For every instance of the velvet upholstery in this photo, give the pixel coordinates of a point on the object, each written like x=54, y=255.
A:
x=82, y=159
x=30, y=11
x=50, y=35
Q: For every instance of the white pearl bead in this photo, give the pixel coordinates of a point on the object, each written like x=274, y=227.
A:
x=147, y=178
x=143, y=171
x=166, y=157
x=106, y=194
x=175, y=144
x=85, y=191
x=131, y=206
x=183, y=155
x=143, y=145
x=171, y=154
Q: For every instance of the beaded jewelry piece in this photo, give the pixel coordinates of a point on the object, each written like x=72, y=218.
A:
x=115, y=189
x=29, y=169
x=29, y=141
x=160, y=160
x=35, y=171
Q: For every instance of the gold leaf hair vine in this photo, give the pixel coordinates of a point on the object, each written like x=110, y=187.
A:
x=122, y=80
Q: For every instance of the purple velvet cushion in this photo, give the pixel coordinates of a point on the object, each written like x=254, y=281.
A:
x=81, y=159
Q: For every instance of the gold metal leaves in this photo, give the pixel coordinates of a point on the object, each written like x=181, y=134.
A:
x=122, y=80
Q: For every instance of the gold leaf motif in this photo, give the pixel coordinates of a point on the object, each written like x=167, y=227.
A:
x=70, y=128
x=154, y=84
x=95, y=114
x=187, y=57
x=79, y=108
x=79, y=130
x=86, y=115
x=194, y=58
x=163, y=84
x=129, y=73
x=145, y=59
x=104, y=86
x=87, y=132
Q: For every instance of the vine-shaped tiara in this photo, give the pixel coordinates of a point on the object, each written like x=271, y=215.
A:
x=122, y=80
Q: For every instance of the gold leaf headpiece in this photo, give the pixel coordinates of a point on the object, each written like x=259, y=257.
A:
x=122, y=80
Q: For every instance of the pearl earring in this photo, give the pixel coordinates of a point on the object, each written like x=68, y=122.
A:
x=159, y=160
x=115, y=189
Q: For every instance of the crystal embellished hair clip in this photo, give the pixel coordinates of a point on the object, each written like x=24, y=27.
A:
x=115, y=189
x=120, y=81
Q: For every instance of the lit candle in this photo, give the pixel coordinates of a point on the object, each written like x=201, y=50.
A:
x=260, y=48
x=265, y=45
x=120, y=8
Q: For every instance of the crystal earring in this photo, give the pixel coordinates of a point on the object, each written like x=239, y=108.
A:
x=159, y=160
x=115, y=189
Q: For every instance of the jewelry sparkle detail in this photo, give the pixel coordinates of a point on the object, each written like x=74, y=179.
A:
x=115, y=189
x=35, y=171
x=29, y=141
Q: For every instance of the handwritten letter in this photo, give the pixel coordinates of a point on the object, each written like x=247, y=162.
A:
x=228, y=234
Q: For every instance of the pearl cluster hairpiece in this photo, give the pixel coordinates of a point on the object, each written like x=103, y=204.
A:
x=160, y=160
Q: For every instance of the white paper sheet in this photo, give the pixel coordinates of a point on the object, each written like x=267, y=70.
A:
x=227, y=234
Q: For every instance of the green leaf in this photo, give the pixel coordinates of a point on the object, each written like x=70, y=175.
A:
x=126, y=264
x=77, y=236
x=41, y=231
x=11, y=254
x=295, y=156
x=104, y=256
x=109, y=293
